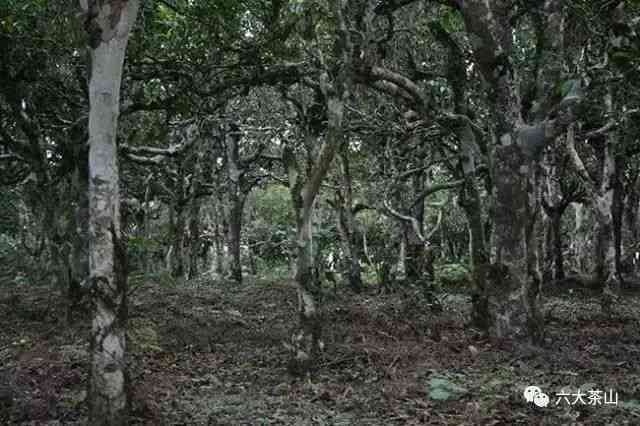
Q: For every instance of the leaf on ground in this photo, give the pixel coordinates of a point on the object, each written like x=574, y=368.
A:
x=442, y=388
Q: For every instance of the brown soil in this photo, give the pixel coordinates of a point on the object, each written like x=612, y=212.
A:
x=212, y=353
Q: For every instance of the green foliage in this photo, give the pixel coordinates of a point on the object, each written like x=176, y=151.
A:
x=441, y=387
x=382, y=249
x=270, y=226
x=139, y=245
x=273, y=272
x=451, y=20
x=452, y=274
x=272, y=203
x=569, y=87
x=632, y=405
x=144, y=336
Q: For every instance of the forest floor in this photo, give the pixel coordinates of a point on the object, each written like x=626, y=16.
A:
x=212, y=353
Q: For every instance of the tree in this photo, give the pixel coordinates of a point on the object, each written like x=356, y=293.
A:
x=43, y=133
x=333, y=87
x=516, y=157
x=108, y=25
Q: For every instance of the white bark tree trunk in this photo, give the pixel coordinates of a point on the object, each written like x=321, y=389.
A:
x=108, y=24
x=601, y=197
x=580, y=241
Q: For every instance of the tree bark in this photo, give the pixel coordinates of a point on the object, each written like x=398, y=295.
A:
x=515, y=288
x=632, y=203
x=415, y=250
x=347, y=228
x=617, y=213
x=306, y=337
x=554, y=258
x=601, y=197
x=235, y=235
x=177, y=221
x=471, y=204
x=194, y=217
x=238, y=188
x=630, y=217
x=219, y=238
x=401, y=268
x=108, y=25
x=558, y=259
x=194, y=237
x=580, y=238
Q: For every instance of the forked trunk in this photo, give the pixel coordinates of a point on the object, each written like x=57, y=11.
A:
x=306, y=337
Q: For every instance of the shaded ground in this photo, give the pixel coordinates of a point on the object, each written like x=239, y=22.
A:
x=211, y=353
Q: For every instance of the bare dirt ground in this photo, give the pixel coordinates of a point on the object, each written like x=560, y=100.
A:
x=211, y=353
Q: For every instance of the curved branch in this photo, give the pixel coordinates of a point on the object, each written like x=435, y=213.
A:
x=436, y=188
x=577, y=161
x=415, y=225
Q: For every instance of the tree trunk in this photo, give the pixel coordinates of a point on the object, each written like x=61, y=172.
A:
x=580, y=238
x=469, y=198
x=253, y=265
x=617, y=213
x=335, y=90
x=546, y=248
x=109, y=24
x=515, y=279
x=601, y=196
x=631, y=221
x=347, y=228
x=306, y=337
x=554, y=259
x=176, y=260
x=472, y=206
x=605, y=251
x=219, y=238
x=556, y=231
x=631, y=209
x=415, y=249
x=401, y=269
x=350, y=263
x=194, y=237
x=237, y=193
x=235, y=229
